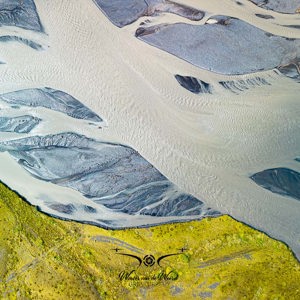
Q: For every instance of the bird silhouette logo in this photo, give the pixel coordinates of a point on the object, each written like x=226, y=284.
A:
x=149, y=260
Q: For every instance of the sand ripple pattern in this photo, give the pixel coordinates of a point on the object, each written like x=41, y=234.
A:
x=208, y=140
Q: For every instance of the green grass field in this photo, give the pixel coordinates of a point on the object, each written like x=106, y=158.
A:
x=46, y=258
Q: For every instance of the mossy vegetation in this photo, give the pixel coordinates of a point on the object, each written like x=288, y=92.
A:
x=218, y=258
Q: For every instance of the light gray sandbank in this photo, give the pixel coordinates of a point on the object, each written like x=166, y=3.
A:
x=283, y=6
x=193, y=84
x=20, y=13
x=230, y=46
x=124, y=12
x=291, y=69
x=281, y=181
x=12, y=38
x=263, y=16
x=22, y=124
x=51, y=99
x=112, y=175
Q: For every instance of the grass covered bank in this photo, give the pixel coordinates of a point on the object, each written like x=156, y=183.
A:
x=219, y=258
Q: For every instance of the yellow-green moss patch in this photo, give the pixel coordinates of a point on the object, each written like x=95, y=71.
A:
x=46, y=258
